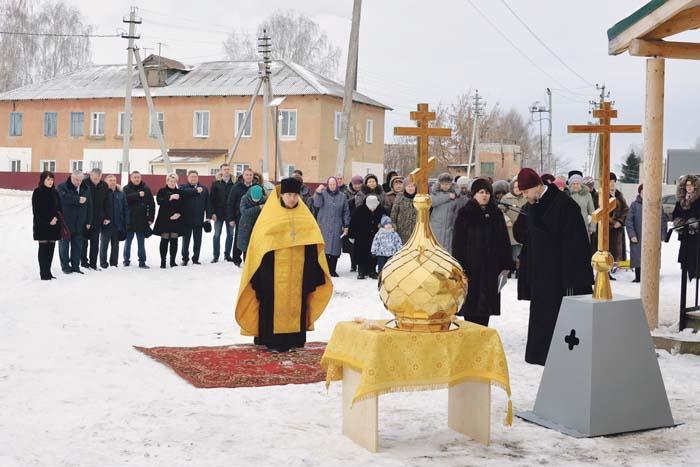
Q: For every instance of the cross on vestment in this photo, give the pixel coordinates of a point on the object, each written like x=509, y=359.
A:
x=423, y=131
x=601, y=216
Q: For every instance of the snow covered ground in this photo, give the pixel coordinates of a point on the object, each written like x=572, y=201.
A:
x=73, y=391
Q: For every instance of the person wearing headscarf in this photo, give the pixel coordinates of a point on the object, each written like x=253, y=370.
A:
x=350, y=191
x=618, y=240
x=403, y=214
x=386, y=186
x=589, y=182
x=47, y=214
x=370, y=186
x=363, y=226
x=285, y=285
x=333, y=216
x=687, y=211
x=251, y=207
x=579, y=193
x=395, y=188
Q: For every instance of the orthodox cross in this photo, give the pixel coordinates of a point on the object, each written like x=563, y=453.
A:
x=423, y=131
x=602, y=260
x=571, y=340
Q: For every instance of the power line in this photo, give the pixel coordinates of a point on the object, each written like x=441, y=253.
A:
x=51, y=34
x=520, y=20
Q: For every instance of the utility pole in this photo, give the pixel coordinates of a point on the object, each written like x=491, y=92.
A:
x=549, y=133
x=264, y=49
x=126, y=127
x=350, y=85
x=539, y=109
x=477, y=109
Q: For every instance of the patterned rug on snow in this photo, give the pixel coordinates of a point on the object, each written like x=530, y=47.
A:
x=237, y=366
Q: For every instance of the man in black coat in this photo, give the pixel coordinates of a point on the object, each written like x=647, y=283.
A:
x=558, y=259
x=142, y=211
x=195, y=207
x=101, y=216
x=218, y=195
x=233, y=209
x=77, y=214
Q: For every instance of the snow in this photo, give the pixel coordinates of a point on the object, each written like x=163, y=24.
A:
x=73, y=391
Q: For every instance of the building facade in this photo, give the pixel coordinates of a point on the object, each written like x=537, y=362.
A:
x=75, y=122
x=495, y=160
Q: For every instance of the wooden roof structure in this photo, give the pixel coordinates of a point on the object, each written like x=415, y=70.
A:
x=643, y=32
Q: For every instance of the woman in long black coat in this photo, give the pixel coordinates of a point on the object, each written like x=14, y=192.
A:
x=46, y=207
x=169, y=221
x=364, y=224
x=688, y=210
x=482, y=246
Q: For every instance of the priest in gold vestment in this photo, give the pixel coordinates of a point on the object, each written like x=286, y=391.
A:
x=285, y=284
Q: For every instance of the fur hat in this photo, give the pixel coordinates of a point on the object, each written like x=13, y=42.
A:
x=528, y=178
x=481, y=184
x=255, y=192
x=372, y=202
x=386, y=220
x=444, y=178
x=290, y=185
x=395, y=179
x=574, y=172
x=368, y=176
x=463, y=182
x=501, y=186
x=575, y=178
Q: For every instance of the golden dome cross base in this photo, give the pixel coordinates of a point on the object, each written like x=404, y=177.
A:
x=422, y=285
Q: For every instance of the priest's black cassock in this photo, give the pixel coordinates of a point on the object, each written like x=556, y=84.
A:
x=558, y=265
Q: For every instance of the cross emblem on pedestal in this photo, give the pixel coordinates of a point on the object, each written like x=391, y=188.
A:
x=572, y=340
x=423, y=131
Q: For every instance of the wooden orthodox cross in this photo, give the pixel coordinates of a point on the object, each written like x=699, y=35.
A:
x=602, y=259
x=422, y=117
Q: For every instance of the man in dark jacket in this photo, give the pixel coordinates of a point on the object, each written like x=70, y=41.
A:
x=113, y=231
x=142, y=211
x=77, y=213
x=305, y=194
x=233, y=209
x=218, y=195
x=558, y=259
x=101, y=217
x=195, y=207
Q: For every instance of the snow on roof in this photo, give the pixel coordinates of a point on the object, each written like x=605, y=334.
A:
x=222, y=78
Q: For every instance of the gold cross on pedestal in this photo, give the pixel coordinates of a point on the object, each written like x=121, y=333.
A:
x=602, y=259
x=423, y=131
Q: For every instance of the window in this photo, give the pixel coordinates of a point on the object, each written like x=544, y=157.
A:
x=15, y=123
x=369, y=131
x=487, y=168
x=49, y=165
x=290, y=170
x=76, y=123
x=201, y=124
x=160, y=118
x=288, y=120
x=239, y=168
x=337, y=125
x=95, y=165
x=76, y=165
x=181, y=172
x=97, y=124
x=50, y=123
x=15, y=165
x=240, y=117
x=120, y=125
x=214, y=171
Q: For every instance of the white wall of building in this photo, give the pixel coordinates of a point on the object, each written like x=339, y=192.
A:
x=364, y=168
x=110, y=158
x=7, y=155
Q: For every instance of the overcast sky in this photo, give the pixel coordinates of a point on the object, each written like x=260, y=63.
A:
x=417, y=51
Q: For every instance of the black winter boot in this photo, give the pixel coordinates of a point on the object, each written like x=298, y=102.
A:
x=49, y=258
x=173, y=252
x=163, y=252
x=41, y=256
x=637, y=275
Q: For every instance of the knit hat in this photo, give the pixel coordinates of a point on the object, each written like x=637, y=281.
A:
x=559, y=183
x=575, y=178
x=386, y=220
x=444, y=178
x=395, y=179
x=356, y=179
x=528, y=178
x=613, y=177
x=256, y=193
x=481, y=184
x=290, y=185
x=501, y=186
x=574, y=172
x=463, y=182
x=372, y=202
x=589, y=182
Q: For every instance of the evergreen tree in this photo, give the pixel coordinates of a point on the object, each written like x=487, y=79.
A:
x=630, y=169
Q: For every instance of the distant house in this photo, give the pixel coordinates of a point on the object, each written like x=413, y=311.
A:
x=75, y=121
x=495, y=160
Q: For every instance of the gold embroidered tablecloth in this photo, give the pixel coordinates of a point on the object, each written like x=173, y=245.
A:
x=394, y=360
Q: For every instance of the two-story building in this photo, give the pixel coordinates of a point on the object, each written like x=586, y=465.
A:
x=75, y=121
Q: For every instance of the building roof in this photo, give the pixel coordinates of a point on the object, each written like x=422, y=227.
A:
x=223, y=78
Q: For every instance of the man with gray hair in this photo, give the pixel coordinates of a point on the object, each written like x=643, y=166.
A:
x=77, y=215
x=101, y=217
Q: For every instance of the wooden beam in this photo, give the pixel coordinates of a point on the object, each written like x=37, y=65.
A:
x=644, y=26
x=681, y=50
x=683, y=21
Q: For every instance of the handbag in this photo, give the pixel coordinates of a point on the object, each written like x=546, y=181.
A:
x=65, y=231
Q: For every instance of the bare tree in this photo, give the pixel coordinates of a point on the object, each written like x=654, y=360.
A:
x=25, y=59
x=295, y=37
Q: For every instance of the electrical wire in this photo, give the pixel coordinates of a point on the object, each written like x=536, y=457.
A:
x=51, y=34
x=529, y=29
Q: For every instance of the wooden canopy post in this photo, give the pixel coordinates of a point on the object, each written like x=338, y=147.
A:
x=653, y=166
